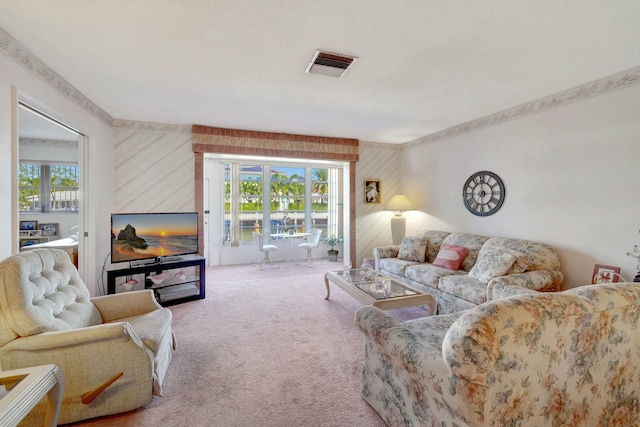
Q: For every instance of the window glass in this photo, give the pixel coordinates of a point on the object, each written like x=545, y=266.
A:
x=297, y=198
x=287, y=199
x=320, y=199
x=48, y=188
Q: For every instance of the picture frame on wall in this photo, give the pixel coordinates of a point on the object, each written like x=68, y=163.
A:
x=372, y=191
x=605, y=274
x=48, y=229
x=28, y=225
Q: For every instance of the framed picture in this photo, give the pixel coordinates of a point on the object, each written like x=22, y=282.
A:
x=605, y=274
x=24, y=243
x=372, y=193
x=47, y=230
x=28, y=225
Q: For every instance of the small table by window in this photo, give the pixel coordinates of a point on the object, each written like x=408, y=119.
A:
x=291, y=237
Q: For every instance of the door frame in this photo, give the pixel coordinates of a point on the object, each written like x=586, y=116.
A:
x=17, y=98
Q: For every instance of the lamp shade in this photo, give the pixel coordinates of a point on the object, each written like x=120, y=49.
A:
x=399, y=202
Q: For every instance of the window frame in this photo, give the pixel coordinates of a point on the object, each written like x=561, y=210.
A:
x=229, y=237
x=44, y=195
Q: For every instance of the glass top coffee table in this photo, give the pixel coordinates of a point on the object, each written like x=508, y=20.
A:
x=377, y=290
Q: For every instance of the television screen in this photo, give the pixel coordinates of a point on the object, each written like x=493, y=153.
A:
x=142, y=236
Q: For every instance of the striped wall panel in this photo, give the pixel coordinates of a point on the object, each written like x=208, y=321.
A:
x=154, y=172
x=377, y=161
x=154, y=168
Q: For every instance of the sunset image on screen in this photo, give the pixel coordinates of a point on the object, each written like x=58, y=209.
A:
x=141, y=236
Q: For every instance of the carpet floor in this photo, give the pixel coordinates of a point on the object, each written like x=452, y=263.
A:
x=264, y=348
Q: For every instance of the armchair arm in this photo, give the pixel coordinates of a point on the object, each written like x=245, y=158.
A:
x=537, y=280
x=89, y=357
x=118, y=306
x=380, y=252
x=418, y=365
x=396, y=340
x=50, y=341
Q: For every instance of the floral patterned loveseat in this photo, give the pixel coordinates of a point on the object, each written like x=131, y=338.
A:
x=490, y=265
x=538, y=359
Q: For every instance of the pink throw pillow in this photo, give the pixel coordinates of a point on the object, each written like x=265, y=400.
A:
x=450, y=256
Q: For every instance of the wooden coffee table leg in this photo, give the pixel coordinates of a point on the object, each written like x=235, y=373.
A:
x=326, y=283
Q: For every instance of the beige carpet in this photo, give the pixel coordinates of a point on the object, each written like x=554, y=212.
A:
x=263, y=349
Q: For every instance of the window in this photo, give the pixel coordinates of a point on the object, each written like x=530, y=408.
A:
x=47, y=188
x=274, y=198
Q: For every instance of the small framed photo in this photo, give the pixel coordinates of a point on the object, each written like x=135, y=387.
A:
x=605, y=274
x=28, y=225
x=34, y=233
x=372, y=192
x=25, y=243
x=48, y=230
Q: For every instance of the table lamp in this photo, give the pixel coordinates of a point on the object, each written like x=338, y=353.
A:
x=398, y=203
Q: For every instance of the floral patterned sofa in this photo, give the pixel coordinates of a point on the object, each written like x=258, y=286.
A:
x=536, y=359
x=490, y=265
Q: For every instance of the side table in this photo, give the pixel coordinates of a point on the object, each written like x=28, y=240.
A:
x=30, y=385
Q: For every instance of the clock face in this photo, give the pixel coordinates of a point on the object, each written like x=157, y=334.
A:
x=483, y=193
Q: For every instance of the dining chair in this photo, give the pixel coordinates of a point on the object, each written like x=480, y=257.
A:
x=257, y=237
x=313, y=241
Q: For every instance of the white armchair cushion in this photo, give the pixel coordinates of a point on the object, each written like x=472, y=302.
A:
x=47, y=294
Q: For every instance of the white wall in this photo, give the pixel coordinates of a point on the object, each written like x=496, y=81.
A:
x=571, y=177
x=99, y=167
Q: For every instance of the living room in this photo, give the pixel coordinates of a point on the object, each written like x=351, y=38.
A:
x=557, y=164
x=566, y=155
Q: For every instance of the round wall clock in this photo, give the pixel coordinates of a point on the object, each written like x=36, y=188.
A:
x=483, y=193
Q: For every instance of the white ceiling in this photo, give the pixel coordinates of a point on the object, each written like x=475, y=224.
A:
x=424, y=65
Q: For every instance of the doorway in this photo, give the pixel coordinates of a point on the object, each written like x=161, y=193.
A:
x=49, y=182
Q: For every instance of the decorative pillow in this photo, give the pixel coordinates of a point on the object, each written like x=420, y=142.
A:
x=521, y=264
x=413, y=249
x=491, y=263
x=450, y=256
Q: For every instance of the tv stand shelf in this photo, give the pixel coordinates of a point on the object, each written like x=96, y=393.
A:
x=173, y=281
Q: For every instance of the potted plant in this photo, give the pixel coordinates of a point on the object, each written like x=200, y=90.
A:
x=331, y=241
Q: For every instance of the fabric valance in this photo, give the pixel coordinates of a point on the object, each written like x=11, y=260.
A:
x=242, y=142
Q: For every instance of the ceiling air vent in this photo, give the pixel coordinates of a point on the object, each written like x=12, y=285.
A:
x=329, y=64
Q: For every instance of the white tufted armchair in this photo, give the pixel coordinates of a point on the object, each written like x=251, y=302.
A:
x=48, y=317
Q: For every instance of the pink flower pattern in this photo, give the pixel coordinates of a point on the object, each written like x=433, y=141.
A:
x=535, y=359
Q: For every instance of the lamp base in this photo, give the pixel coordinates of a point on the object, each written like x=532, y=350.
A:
x=398, y=228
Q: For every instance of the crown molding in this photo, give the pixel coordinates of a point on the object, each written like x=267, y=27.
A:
x=27, y=60
x=602, y=86
x=381, y=145
x=150, y=127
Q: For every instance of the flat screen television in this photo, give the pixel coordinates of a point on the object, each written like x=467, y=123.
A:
x=153, y=237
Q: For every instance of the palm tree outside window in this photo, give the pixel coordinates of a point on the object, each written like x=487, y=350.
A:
x=297, y=199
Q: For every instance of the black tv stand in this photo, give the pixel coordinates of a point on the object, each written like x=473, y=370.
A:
x=172, y=281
